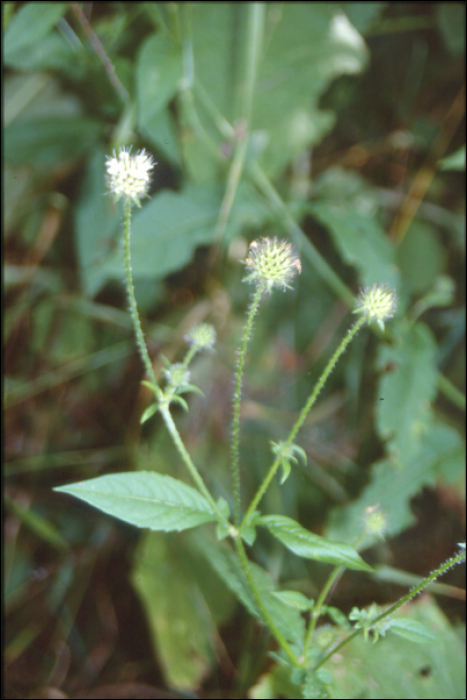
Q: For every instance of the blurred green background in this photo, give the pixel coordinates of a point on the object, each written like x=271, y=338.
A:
x=338, y=126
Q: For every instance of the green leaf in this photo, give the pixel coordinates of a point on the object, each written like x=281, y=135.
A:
x=455, y=161
x=145, y=499
x=408, y=385
x=441, y=456
x=149, y=412
x=413, y=630
x=306, y=46
x=167, y=231
x=181, y=628
x=306, y=544
x=421, y=257
x=31, y=24
x=46, y=142
x=158, y=71
x=96, y=222
x=226, y=564
x=451, y=22
x=398, y=668
x=294, y=599
x=360, y=240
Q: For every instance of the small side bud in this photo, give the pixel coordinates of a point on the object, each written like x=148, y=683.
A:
x=202, y=336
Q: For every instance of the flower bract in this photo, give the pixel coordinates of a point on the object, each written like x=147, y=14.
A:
x=129, y=176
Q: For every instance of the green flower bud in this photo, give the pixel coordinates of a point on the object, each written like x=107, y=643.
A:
x=377, y=303
x=201, y=336
x=271, y=263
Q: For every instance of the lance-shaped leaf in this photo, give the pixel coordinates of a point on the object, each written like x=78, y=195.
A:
x=145, y=499
x=311, y=546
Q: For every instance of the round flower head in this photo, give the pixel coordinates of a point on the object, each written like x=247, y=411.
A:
x=376, y=304
x=177, y=375
x=129, y=176
x=375, y=521
x=201, y=336
x=271, y=263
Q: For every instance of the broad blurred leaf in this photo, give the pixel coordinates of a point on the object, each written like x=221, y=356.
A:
x=306, y=544
x=456, y=161
x=361, y=242
x=421, y=257
x=451, y=19
x=47, y=142
x=158, y=72
x=179, y=621
x=32, y=23
x=305, y=46
x=167, y=231
x=441, y=455
x=413, y=630
x=397, y=668
x=145, y=499
x=96, y=226
x=226, y=564
x=408, y=385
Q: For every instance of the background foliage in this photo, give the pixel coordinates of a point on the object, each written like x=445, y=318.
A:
x=356, y=152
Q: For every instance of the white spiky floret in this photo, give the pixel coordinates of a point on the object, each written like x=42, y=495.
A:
x=271, y=263
x=129, y=176
x=377, y=304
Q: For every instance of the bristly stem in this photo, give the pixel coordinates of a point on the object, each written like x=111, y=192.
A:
x=237, y=400
x=131, y=297
x=267, y=617
x=405, y=599
x=196, y=476
x=303, y=414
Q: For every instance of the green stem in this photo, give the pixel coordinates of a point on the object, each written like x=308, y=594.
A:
x=316, y=611
x=164, y=409
x=190, y=355
x=172, y=428
x=405, y=599
x=131, y=297
x=255, y=23
x=264, y=185
x=336, y=573
x=451, y=392
x=313, y=396
x=237, y=400
x=267, y=618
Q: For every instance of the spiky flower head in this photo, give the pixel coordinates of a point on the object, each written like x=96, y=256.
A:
x=177, y=375
x=201, y=336
x=376, y=304
x=271, y=263
x=375, y=521
x=129, y=176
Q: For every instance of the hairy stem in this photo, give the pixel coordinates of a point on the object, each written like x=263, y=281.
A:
x=237, y=400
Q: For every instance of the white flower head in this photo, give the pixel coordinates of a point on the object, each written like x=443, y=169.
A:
x=376, y=304
x=129, y=176
x=271, y=263
x=201, y=336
